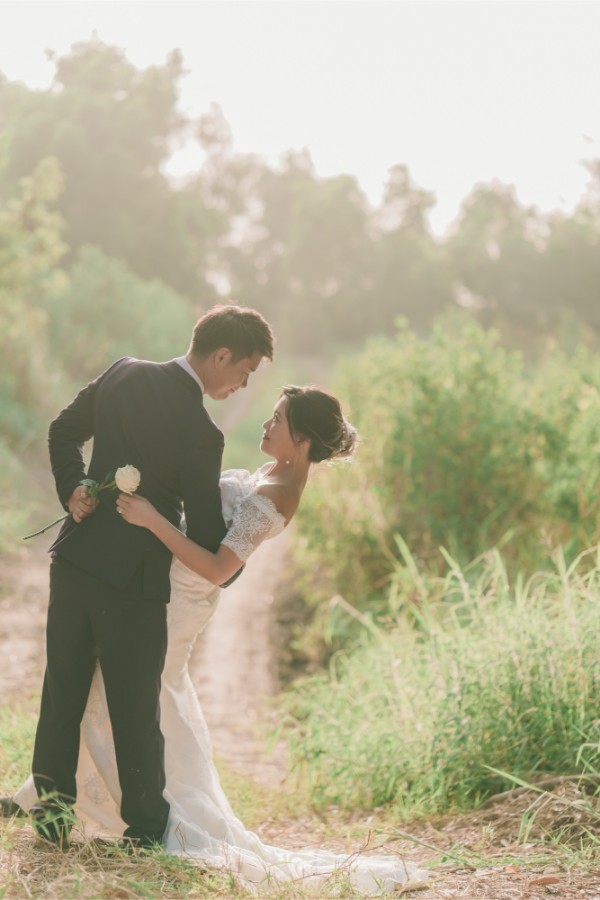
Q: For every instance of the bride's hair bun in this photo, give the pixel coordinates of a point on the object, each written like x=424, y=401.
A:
x=349, y=442
x=316, y=415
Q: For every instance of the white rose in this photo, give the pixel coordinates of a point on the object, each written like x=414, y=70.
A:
x=127, y=479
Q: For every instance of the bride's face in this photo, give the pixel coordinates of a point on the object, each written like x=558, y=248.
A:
x=277, y=440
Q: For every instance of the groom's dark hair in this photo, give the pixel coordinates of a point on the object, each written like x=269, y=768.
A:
x=241, y=329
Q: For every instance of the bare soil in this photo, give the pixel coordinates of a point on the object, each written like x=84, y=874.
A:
x=480, y=855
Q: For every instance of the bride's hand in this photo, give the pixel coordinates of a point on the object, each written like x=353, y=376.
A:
x=136, y=510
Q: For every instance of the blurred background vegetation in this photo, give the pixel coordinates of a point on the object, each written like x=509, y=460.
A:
x=469, y=364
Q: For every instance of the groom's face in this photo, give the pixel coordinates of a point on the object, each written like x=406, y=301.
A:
x=228, y=376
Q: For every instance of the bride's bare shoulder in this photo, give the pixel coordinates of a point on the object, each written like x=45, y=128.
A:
x=284, y=499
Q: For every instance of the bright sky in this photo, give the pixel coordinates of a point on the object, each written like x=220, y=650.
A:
x=461, y=92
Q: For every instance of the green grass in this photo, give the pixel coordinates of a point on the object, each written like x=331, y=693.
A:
x=480, y=675
x=96, y=870
x=17, y=731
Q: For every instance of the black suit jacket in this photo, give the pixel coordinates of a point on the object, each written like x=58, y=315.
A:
x=151, y=416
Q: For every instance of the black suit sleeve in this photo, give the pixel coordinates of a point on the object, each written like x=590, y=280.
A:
x=68, y=432
x=201, y=494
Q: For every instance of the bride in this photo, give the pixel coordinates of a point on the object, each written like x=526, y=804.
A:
x=307, y=427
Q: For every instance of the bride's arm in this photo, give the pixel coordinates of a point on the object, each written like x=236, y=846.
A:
x=215, y=567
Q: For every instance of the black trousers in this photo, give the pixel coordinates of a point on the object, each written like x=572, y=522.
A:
x=90, y=621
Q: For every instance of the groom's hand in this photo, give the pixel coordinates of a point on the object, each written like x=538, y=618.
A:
x=81, y=504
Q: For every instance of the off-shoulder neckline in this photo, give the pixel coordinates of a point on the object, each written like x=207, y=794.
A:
x=263, y=499
x=255, y=478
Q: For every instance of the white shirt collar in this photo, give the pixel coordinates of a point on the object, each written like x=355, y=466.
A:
x=182, y=361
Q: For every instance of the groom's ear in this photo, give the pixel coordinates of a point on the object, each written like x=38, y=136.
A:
x=222, y=357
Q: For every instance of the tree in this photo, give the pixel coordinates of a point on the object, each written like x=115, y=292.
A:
x=571, y=265
x=106, y=312
x=412, y=277
x=495, y=255
x=302, y=249
x=113, y=128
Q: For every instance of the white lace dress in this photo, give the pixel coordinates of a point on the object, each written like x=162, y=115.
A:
x=202, y=824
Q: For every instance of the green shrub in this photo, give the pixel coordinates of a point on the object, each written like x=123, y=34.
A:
x=565, y=399
x=461, y=449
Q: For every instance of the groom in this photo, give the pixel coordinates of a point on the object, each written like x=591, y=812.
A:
x=109, y=581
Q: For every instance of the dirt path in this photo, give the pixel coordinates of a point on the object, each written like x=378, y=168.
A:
x=23, y=604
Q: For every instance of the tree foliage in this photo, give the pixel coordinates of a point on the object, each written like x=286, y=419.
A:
x=113, y=128
x=105, y=312
x=312, y=253
x=31, y=248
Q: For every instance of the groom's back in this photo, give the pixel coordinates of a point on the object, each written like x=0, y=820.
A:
x=149, y=415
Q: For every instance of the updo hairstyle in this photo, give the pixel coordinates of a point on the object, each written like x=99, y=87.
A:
x=317, y=416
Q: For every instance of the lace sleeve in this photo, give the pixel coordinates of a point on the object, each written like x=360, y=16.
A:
x=255, y=519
